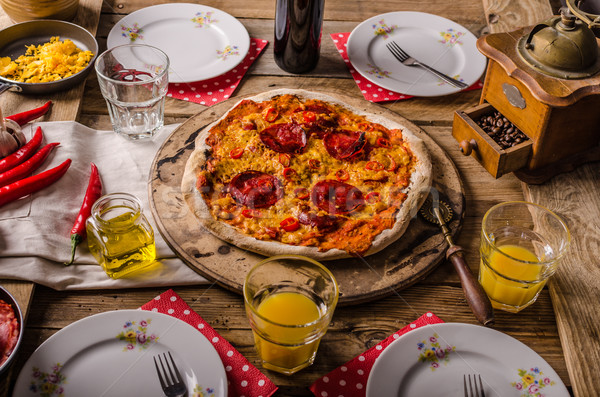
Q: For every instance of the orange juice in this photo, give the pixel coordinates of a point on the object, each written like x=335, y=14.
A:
x=511, y=283
x=291, y=342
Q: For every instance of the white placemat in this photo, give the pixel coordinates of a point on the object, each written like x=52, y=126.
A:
x=35, y=231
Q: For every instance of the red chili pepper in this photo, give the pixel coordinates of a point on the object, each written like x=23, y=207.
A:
x=374, y=165
x=365, y=127
x=342, y=175
x=25, y=117
x=26, y=168
x=33, y=183
x=382, y=142
x=393, y=165
x=93, y=193
x=290, y=224
x=270, y=114
x=309, y=116
x=236, y=153
x=285, y=159
x=301, y=193
x=373, y=197
x=25, y=152
x=314, y=164
x=289, y=173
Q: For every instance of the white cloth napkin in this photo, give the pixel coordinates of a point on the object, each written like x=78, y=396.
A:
x=35, y=231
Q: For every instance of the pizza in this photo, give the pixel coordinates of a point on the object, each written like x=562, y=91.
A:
x=300, y=172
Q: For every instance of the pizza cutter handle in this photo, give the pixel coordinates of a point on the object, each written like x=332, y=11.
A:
x=476, y=297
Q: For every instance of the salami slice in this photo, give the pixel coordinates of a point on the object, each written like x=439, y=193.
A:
x=324, y=223
x=336, y=197
x=343, y=144
x=255, y=189
x=284, y=137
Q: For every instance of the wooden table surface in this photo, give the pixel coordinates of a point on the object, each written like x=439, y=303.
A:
x=354, y=328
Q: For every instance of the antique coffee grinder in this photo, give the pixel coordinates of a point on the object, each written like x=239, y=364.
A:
x=539, y=112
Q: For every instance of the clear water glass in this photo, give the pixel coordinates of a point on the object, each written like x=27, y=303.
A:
x=134, y=80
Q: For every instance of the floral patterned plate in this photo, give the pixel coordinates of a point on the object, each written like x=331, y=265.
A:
x=202, y=42
x=433, y=40
x=431, y=360
x=111, y=354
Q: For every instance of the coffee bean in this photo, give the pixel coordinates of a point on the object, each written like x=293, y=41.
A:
x=501, y=130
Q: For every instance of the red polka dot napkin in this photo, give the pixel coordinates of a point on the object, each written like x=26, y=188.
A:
x=350, y=380
x=244, y=379
x=212, y=91
x=372, y=92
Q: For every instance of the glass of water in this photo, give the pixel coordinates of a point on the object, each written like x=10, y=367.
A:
x=133, y=79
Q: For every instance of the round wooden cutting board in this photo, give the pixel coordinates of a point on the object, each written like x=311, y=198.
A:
x=399, y=265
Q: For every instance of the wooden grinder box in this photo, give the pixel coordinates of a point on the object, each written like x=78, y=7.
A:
x=561, y=117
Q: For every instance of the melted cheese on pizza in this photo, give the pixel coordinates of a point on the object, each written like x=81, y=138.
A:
x=305, y=172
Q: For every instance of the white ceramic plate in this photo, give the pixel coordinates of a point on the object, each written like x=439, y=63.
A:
x=201, y=42
x=94, y=357
x=433, y=40
x=410, y=366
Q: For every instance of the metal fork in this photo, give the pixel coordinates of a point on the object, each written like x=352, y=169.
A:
x=170, y=378
x=407, y=60
x=473, y=390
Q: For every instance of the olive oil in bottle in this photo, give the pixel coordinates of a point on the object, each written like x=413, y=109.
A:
x=119, y=235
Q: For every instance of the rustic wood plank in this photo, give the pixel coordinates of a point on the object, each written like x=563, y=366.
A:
x=575, y=289
x=506, y=15
x=340, y=10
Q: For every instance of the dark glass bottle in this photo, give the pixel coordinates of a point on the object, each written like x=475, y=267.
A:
x=298, y=26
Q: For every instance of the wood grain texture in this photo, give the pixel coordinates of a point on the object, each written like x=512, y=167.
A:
x=505, y=15
x=575, y=288
x=338, y=10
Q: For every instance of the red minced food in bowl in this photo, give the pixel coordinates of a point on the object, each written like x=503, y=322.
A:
x=9, y=329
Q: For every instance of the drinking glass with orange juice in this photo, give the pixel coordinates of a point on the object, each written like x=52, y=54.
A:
x=289, y=301
x=521, y=247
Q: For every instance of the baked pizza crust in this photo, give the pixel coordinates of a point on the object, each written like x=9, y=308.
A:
x=417, y=190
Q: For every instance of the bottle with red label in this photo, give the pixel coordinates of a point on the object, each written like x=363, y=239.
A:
x=298, y=25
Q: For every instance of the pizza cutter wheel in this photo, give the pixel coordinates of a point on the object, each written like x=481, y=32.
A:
x=428, y=213
x=439, y=213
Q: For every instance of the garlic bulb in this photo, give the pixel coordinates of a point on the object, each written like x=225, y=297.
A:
x=11, y=138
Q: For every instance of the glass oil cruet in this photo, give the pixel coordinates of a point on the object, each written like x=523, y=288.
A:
x=119, y=235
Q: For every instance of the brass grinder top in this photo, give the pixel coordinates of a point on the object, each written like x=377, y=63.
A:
x=562, y=47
